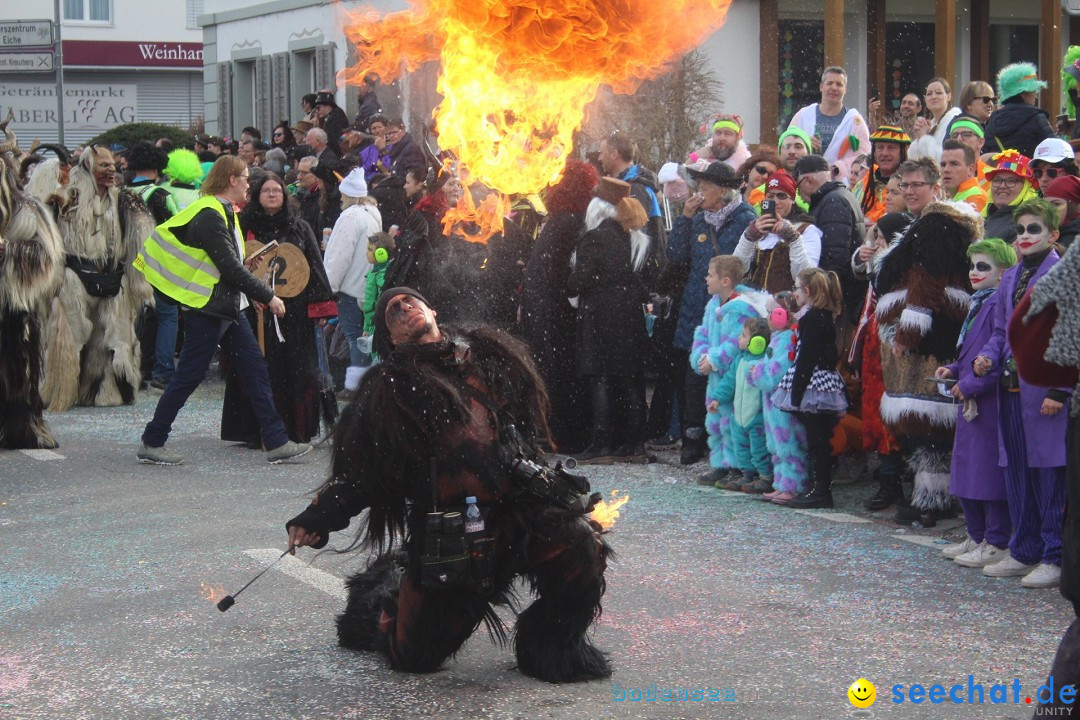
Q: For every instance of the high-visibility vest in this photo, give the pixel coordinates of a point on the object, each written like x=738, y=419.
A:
x=182, y=272
x=145, y=191
x=972, y=191
x=181, y=195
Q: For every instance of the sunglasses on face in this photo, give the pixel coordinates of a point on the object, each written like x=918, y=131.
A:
x=981, y=266
x=279, y=134
x=1050, y=172
x=762, y=170
x=988, y=99
x=1032, y=229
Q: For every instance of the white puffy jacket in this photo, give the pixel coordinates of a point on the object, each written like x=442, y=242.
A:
x=345, y=259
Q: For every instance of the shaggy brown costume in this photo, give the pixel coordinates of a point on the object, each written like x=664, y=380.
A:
x=440, y=419
x=92, y=353
x=924, y=294
x=31, y=263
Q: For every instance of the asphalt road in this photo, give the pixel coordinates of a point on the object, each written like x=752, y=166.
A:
x=775, y=612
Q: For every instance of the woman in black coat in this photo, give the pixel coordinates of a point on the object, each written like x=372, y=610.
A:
x=548, y=321
x=612, y=343
x=271, y=214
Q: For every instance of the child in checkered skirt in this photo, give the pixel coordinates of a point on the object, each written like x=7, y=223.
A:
x=812, y=388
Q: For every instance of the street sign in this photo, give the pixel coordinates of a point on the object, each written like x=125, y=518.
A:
x=25, y=34
x=26, y=62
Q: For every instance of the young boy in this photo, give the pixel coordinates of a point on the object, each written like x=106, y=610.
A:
x=380, y=248
x=716, y=345
x=748, y=419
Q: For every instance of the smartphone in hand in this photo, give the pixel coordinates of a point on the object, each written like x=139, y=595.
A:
x=768, y=207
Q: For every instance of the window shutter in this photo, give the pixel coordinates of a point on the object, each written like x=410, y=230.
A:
x=280, y=106
x=263, y=94
x=324, y=67
x=225, y=91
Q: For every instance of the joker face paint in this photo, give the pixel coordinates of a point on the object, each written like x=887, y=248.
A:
x=983, y=272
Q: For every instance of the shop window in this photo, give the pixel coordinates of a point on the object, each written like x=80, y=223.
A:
x=909, y=62
x=1012, y=44
x=802, y=52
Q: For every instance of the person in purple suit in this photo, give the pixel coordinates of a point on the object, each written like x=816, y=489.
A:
x=1032, y=424
x=975, y=477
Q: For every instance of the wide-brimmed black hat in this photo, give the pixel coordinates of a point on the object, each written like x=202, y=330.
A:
x=717, y=173
x=324, y=98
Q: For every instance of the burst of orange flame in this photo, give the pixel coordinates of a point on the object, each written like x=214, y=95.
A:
x=213, y=593
x=516, y=75
x=606, y=513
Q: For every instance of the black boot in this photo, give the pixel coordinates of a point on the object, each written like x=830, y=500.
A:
x=694, y=446
x=599, y=450
x=820, y=493
x=889, y=492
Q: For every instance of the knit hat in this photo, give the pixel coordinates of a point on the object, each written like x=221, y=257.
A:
x=966, y=122
x=354, y=185
x=729, y=122
x=891, y=224
x=782, y=182
x=1011, y=161
x=381, y=341
x=811, y=164
x=1018, y=78
x=1051, y=150
x=1065, y=187
x=890, y=133
x=797, y=133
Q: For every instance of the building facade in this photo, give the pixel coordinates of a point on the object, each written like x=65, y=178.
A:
x=123, y=61
x=262, y=57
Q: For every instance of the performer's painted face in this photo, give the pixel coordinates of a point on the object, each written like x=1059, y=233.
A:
x=408, y=319
x=983, y=272
x=104, y=169
x=1032, y=235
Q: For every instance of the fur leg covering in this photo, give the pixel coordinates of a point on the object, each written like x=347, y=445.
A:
x=60, y=387
x=369, y=592
x=550, y=639
x=931, y=469
x=22, y=425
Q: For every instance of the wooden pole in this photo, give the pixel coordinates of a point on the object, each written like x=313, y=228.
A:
x=834, y=33
x=980, y=42
x=1050, y=57
x=875, y=57
x=769, y=67
x=945, y=42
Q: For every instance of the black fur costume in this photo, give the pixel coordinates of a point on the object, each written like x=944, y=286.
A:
x=449, y=405
x=31, y=263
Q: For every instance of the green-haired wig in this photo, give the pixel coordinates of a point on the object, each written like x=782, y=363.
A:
x=1001, y=252
x=184, y=166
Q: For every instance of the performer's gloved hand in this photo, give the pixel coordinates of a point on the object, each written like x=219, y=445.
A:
x=305, y=530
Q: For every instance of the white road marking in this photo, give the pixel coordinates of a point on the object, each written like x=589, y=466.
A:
x=924, y=540
x=319, y=579
x=42, y=454
x=838, y=517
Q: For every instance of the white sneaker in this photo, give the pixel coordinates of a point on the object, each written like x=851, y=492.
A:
x=954, y=551
x=1044, y=576
x=985, y=554
x=1007, y=567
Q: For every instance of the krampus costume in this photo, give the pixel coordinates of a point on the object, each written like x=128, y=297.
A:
x=432, y=424
x=31, y=263
x=92, y=353
x=924, y=294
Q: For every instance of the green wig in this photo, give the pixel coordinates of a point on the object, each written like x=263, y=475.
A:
x=184, y=166
x=1070, y=73
x=1001, y=252
x=1017, y=79
x=1041, y=209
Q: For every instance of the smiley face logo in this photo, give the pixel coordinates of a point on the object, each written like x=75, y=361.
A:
x=862, y=693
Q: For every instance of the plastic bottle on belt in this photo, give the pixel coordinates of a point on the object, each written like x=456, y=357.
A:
x=474, y=520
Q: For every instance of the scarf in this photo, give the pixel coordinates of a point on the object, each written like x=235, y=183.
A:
x=1061, y=286
x=718, y=218
x=977, y=301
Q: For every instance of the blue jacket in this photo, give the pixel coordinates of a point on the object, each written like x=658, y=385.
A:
x=693, y=242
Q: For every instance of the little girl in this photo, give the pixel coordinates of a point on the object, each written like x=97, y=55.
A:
x=812, y=388
x=784, y=434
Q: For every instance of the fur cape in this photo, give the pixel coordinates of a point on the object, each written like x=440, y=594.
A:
x=31, y=266
x=923, y=298
x=92, y=352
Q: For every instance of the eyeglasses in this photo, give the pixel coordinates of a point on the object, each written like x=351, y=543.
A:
x=1007, y=183
x=777, y=196
x=797, y=288
x=988, y=99
x=913, y=185
x=1050, y=172
x=1031, y=229
x=962, y=135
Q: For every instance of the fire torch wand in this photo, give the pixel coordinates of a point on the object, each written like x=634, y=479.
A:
x=229, y=600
